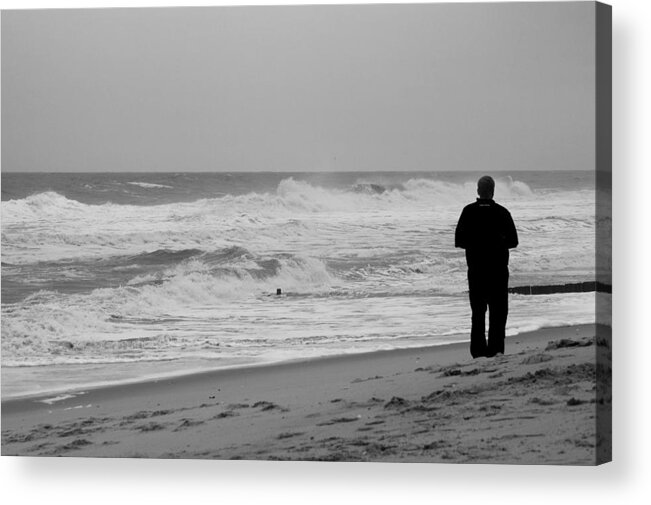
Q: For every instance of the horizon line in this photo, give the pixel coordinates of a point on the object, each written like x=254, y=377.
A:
x=285, y=171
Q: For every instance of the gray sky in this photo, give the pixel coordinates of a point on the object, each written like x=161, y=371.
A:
x=505, y=86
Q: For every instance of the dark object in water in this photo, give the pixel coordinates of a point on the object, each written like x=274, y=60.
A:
x=579, y=287
x=279, y=291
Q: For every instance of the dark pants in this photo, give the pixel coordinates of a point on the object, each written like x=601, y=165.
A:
x=488, y=288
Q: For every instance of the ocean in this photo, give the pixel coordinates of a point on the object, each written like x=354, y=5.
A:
x=114, y=277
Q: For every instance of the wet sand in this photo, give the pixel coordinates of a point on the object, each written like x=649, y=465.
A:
x=540, y=403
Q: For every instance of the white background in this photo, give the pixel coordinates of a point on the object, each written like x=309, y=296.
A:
x=627, y=479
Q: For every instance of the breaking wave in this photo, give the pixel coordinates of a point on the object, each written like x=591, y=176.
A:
x=294, y=210
x=290, y=194
x=43, y=320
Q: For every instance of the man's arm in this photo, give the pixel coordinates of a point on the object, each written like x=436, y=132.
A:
x=461, y=233
x=511, y=238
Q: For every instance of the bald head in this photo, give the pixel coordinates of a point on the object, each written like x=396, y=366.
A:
x=486, y=187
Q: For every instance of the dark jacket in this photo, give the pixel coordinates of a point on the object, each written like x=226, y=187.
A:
x=486, y=231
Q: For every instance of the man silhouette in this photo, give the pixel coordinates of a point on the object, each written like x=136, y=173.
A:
x=486, y=231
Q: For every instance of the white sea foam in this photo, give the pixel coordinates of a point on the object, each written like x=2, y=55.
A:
x=296, y=215
x=49, y=324
x=150, y=185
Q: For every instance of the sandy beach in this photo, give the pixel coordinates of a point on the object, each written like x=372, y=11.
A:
x=538, y=404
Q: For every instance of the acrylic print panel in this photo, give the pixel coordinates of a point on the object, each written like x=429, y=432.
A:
x=258, y=233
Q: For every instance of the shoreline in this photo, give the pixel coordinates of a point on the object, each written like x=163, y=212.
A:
x=541, y=403
x=78, y=390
